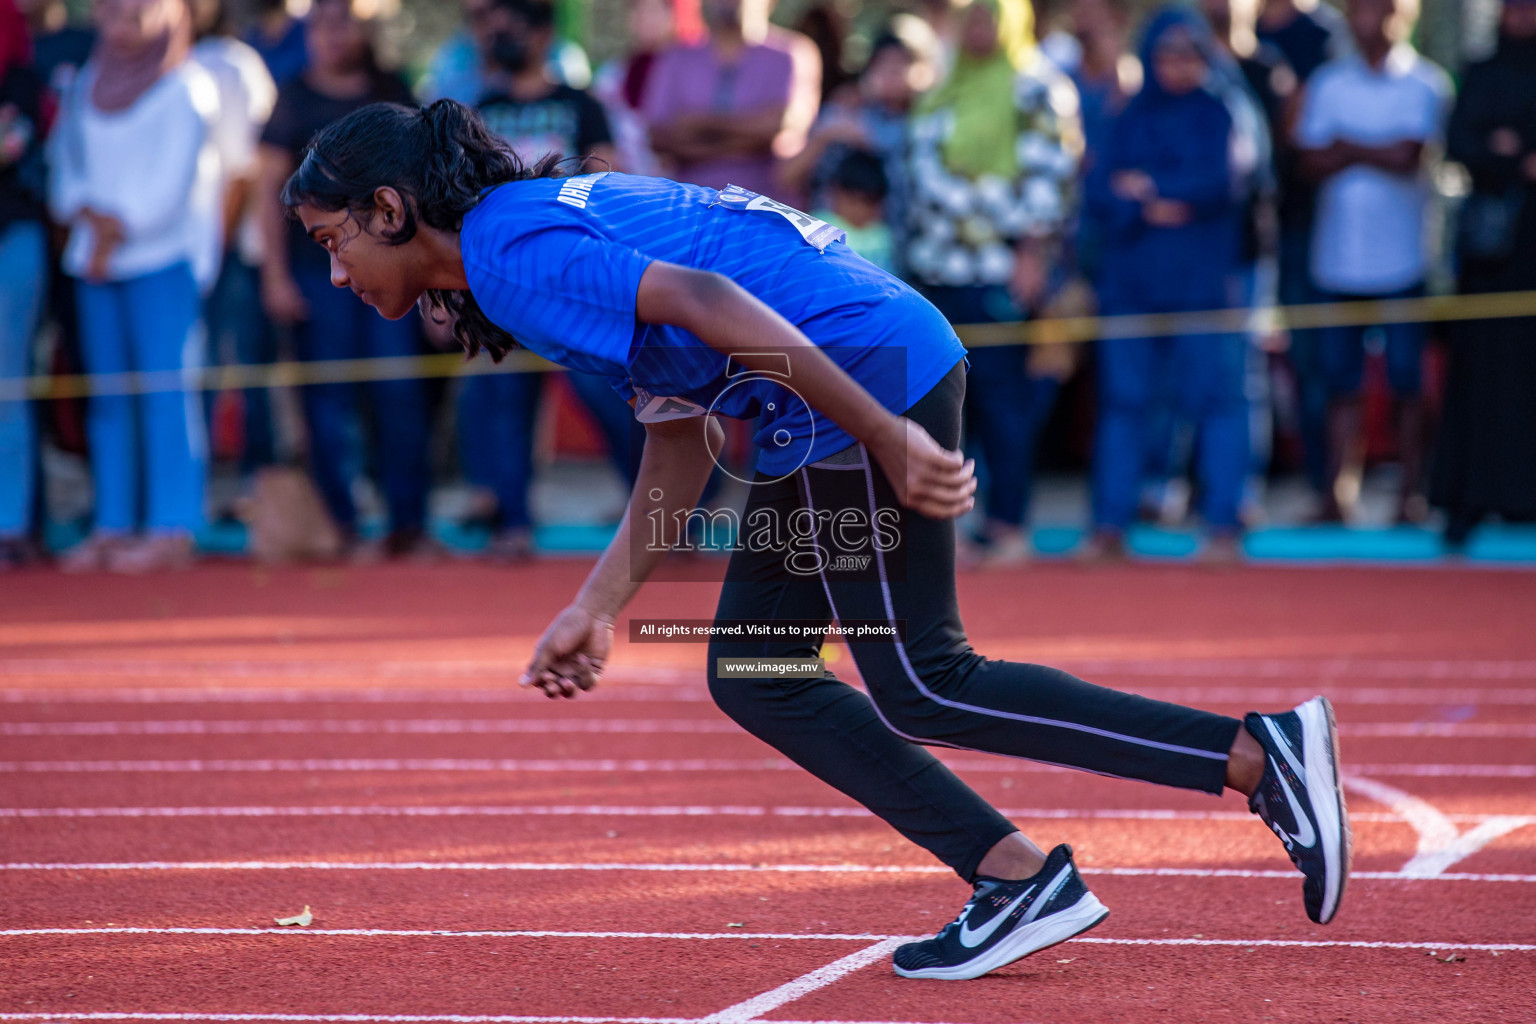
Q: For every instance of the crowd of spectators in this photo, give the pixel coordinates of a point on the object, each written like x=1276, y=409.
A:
x=1132, y=163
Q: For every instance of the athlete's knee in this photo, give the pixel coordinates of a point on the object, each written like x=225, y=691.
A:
x=735, y=688
x=925, y=697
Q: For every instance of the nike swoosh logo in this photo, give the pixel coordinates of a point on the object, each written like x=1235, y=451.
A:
x=1285, y=748
x=1307, y=837
x=971, y=939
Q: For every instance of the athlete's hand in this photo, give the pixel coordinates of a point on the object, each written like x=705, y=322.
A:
x=928, y=478
x=571, y=654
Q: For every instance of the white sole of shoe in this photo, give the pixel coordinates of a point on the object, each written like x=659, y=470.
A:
x=1320, y=741
x=1032, y=938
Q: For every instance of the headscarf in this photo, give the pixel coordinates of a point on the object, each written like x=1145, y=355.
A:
x=979, y=96
x=15, y=40
x=1252, y=156
x=1514, y=49
x=1176, y=17
x=123, y=76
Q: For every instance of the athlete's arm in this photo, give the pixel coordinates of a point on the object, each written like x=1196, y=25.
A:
x=728, y=318
x=675, y=465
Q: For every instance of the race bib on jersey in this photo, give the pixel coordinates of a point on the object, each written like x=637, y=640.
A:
x=816, y=232
x=651, y=408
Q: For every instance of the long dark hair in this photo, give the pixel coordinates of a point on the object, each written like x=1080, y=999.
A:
x=440, y=159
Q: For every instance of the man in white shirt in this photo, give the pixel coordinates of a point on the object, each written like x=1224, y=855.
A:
x=1366, y=122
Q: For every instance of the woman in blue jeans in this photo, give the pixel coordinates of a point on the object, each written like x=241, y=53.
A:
x=135, y=176
x=23, y=277
x=1165, y=192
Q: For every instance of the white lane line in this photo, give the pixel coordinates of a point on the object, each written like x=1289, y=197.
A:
x=1435, y=831
x=1321, y=669
x=389, y=1018
x=490, y=764
x=869, y=869
x=1441, y=843
x=495, y=726
x=365, y=933
x=321, y=668
x=411, y=933
x=617, y=692
x=680, y=811
x=1329, y=669
x=1431, y=863
x=407, y=764
x=430, y=865
x=394, y=1018
x=1244, y=695
x=365, y=726
x=757, y=1006
x=670, y=811
x=1491, y=947
x=1471, y=771
x=1441, y=730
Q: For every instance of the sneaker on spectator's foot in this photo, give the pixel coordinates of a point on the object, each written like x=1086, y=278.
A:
x=156, y=553
x=18, y=553
x=1006, y=920
x=1299, y=797
x=511, y=546
x=1103, y=547
x=1007, y=549
x=92, y=554
x=413, y=544
x=1221, y=551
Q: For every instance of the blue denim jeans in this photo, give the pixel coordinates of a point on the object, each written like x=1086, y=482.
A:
x=239, y=334
x=496, y=418
x=1205, y=375
x=23, y=278
x=1005, y=407
x=1344, y=351
x=1306, y=356
x=342, y=326
x=149, y=324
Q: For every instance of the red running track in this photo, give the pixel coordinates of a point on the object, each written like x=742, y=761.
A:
x=184, y=759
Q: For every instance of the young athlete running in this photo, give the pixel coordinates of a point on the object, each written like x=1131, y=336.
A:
x=695, y=302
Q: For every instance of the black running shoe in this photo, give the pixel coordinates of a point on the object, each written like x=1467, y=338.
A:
x=1300, y=798
x=1004, y=921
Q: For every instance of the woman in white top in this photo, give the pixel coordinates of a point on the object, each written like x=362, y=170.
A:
x=136, y=176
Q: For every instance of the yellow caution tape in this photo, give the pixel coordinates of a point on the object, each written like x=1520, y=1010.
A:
x=1047, y=331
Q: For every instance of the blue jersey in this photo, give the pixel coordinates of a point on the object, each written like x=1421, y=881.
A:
x=557, y=263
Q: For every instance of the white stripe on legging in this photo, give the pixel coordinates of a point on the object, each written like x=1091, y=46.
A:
x=901, y=652
x=822, y=575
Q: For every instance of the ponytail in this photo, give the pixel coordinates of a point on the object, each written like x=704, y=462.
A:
x=440, y=158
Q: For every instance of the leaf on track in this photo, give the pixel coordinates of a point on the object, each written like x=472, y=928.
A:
x=301, y=919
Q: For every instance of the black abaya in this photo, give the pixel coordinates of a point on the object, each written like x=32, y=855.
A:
x=1485, y=461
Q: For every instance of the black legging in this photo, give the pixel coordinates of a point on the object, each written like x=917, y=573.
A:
x=931, y=688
